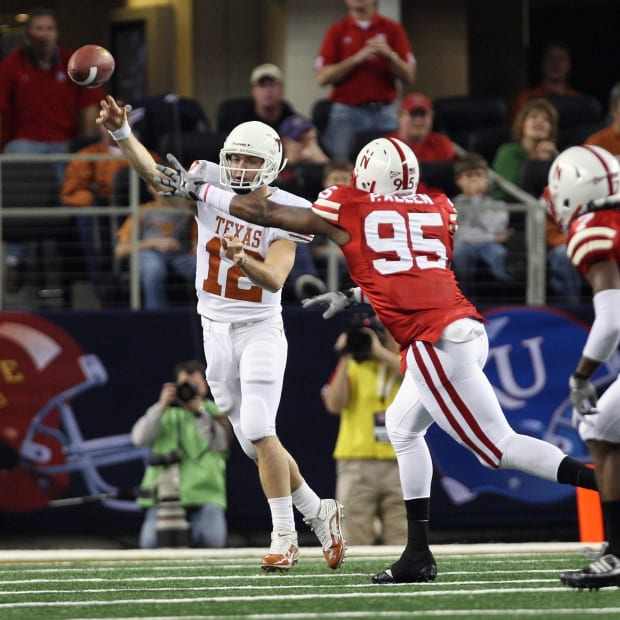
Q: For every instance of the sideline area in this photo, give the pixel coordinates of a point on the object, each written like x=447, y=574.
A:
x=387, y=551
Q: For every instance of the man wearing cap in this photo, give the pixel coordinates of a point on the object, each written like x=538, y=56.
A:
x=266, y=105
x=415, y=124
x=362, y=56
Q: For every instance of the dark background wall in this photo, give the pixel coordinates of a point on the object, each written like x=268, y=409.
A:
x=462, y=46
x=138, y=350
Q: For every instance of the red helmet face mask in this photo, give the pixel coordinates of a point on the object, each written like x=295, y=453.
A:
x=41, y=370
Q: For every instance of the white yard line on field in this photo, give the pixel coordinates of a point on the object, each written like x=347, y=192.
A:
x=361, y=552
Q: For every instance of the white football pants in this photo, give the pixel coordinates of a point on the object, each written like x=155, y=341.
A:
x=444, y=383
x=245, y=371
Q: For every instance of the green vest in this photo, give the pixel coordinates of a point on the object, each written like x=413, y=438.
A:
x=203, y=470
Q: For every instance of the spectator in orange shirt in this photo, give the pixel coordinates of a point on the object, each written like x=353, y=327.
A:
x=555, y=67
x=609, y=137
x=166, y=242
x=90, y=183
x=415, y=124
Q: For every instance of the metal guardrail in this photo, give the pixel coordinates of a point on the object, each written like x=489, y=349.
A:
x=535, y=245
x=34, y=211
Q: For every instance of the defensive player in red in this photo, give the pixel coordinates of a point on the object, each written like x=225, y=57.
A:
x=398, y=246
x=584, y=196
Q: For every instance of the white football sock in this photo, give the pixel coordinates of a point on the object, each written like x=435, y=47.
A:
x=306, y=500
x=282, y=516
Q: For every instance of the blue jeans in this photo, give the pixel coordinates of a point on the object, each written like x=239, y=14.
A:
x=465, y=259
x=347, y=120
x=154, y=266
x=564, y=280
x=207, y=523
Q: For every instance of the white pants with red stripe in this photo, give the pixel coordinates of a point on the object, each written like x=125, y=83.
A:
x=445, y=383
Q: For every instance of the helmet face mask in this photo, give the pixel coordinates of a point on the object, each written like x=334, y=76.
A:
x=578, y=176
x=245, y=142
x=386, y=165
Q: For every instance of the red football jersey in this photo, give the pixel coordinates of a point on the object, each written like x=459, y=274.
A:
x=594, y=237
x=400, y=254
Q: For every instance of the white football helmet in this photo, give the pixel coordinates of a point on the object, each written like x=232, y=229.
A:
x=386, y=165
x=254, y=139
x=581, y=177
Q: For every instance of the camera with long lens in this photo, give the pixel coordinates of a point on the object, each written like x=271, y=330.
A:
x=358, y=341
x=186, y=391
x=172, y=527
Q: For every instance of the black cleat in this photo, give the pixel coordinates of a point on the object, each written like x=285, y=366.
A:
x=418, y=570
x=604, y=572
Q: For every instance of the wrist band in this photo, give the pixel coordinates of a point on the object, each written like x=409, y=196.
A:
x=122, y=133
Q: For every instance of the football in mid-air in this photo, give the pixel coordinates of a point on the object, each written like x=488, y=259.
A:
x=91, y=66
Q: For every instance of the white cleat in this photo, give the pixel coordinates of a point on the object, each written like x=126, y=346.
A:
x=283, y=553
x=327, y=527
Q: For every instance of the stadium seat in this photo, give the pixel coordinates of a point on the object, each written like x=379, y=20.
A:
x=576, y=110
x=154, y=116
x=457, y=116
x=439, y=175
x=189, y=146
x=320, y=113
x=533, y=176
x=51, y=241
x=577, y=134
x=231, y=112
x=486, y=140
x=362, y=138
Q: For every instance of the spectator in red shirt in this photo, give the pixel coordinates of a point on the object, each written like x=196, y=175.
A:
x=362, y=57
x=41, y=109
x=415, y=124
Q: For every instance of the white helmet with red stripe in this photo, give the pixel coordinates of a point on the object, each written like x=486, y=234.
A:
x=386, y=165
x=579, y=178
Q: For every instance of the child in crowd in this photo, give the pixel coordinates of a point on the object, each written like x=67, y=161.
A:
x=482, y=225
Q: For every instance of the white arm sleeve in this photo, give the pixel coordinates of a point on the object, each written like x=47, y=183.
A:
x=604, y=336
x=216, y=197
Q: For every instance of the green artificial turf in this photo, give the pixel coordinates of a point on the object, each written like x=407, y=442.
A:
x=499, y=585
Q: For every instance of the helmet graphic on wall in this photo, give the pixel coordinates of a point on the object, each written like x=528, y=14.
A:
x=41, y=370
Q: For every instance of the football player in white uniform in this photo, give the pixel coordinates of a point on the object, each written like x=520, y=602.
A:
x=584, y=198
x=241, y=269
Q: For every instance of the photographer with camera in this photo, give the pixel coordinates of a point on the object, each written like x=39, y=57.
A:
x=360, y=389
x=186, y=476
